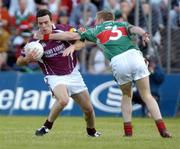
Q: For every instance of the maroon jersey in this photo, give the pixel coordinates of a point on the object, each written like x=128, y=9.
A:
x=53, y=63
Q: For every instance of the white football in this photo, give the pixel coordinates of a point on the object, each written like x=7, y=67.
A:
x=34, y=46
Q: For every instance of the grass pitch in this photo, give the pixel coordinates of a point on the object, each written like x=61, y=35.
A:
x=69, y=133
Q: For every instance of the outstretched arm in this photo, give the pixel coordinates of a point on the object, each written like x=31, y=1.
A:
x=64, y=36
x=57, y=36
x=137, y=30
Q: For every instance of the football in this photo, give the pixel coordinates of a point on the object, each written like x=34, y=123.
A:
x=34, y=46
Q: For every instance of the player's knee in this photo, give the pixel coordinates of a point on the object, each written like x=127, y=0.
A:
x=63, y=102
x=127, y=94
x=88, y=111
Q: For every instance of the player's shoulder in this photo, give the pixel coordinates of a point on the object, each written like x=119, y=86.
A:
x=63, y=27
x=121, y=23
x=32, y=39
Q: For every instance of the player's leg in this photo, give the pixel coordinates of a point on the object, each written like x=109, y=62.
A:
x=83, y=100
x=126, y=106
x=62, y=98
x=144, y=90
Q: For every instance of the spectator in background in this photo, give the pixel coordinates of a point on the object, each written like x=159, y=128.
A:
x=63, y=17
x=22, y=38
x=22, y=15
x=14, y=6
x=53, y=6
x=88, y=19
x=4, y=16
x=125, y=7
x=112, y=5
x=78, y=14
x=156, y=19
x=164, y=11
x=152, y=11
x=97, y=63
x=41, y=4
x=6, y=3
x=24, y=33
x=50, y=5
x=99, y=4
x=175, y=14
x=4, y=42
x=67, y=5
x=131, y=16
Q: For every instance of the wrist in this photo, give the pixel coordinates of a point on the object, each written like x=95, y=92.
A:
x=145, y=34
x=26, y=60
x=73, y=47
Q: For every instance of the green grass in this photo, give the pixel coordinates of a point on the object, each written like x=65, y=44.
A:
x=69, y=133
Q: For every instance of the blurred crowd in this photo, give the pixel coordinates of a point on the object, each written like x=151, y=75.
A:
x=18, y=23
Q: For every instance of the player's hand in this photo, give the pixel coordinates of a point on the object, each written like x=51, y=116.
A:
x=31, y=56
x=69, y=51
x=145, y=38
x=38, y=35
x=146, y=62
x=82, y=29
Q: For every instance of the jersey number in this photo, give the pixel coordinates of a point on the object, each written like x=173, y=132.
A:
x=115, y=34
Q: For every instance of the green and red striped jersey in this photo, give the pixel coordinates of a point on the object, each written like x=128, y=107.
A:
x=113, y=37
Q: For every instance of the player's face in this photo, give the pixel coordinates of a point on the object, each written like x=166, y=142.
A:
x=44, y=24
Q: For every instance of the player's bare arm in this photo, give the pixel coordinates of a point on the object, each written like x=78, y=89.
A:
x=141, y=32
x=24, y=60
x=78, y=45
x=57, y=36
x=65, y=36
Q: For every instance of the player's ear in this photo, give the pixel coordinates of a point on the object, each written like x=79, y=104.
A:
x=101, y=20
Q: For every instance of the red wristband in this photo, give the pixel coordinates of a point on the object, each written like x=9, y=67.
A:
x=46, y=37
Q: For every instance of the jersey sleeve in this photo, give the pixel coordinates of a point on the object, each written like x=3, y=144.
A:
x=128, y=27
x=62, y=27
x=72, y=29
x=89, y=35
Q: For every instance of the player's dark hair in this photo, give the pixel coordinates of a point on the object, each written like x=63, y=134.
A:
x=44, y=12
x=105, y=15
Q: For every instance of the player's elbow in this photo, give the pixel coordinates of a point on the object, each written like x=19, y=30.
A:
x=20, y=61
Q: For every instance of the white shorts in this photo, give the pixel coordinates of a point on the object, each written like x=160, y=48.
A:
x=129, y=66
x=73, y=81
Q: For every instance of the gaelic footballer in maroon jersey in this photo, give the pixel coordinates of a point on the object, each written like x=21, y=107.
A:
x=61, y=74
